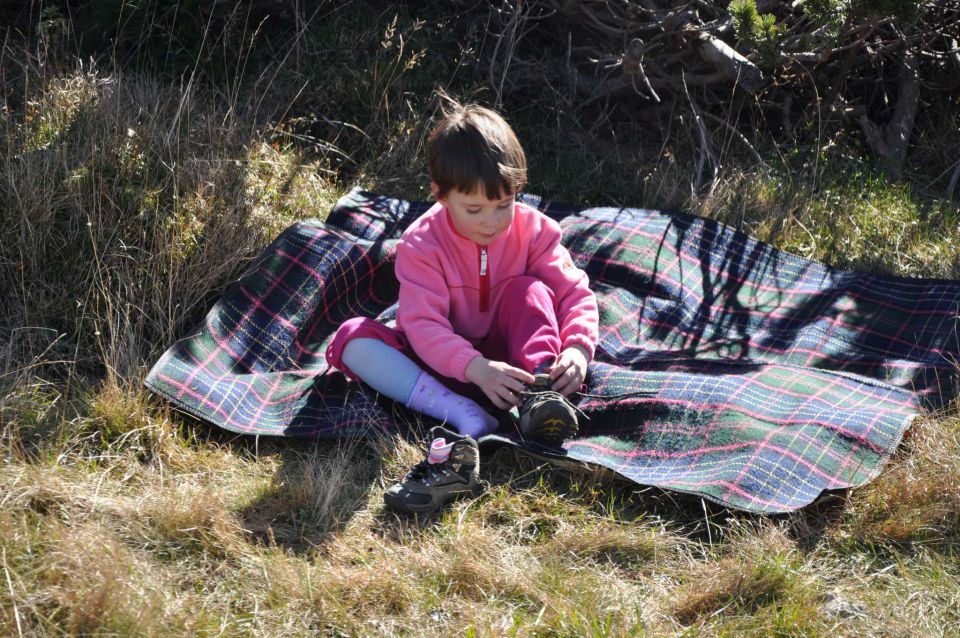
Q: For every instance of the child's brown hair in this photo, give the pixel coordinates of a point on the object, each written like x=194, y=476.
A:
x=473, y=146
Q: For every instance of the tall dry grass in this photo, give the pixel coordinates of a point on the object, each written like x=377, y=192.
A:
x=128, y=203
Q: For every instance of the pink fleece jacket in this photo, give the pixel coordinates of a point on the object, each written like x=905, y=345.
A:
x=449, y=285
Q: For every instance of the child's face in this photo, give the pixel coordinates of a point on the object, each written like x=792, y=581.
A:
x=477, y=218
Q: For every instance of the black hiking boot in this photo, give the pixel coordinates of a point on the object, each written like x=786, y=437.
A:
x=546, y=415
x=451, y=470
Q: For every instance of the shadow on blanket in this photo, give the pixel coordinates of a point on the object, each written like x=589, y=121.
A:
x=727, y=369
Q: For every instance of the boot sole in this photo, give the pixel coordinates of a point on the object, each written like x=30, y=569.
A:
x=398, y=504
x=554, y=431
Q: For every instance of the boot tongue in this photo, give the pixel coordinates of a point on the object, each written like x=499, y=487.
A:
x=541, y=382
x=439, y=450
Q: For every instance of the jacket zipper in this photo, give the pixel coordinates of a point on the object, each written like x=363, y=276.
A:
x=484, y=281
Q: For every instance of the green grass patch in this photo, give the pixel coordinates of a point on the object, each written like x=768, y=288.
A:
x=850, y=218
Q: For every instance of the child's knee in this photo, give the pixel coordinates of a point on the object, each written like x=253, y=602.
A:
x=520, y=287
x=525, y=292
x=360, y=328
x=357, y=327
x=357, y=349
x=351, y=329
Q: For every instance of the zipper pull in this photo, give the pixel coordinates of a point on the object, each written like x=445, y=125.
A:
x=483, y=260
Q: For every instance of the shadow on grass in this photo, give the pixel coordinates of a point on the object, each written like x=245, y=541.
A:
x=318, y=485
x=580, y=487
x=610, y=495
x=316, y=491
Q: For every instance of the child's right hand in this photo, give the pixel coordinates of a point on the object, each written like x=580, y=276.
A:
x=501, y=382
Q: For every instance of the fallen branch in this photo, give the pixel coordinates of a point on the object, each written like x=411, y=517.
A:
x=730, y=63
x=644, y=53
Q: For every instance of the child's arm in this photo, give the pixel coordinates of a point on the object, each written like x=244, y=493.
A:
x=423, y=315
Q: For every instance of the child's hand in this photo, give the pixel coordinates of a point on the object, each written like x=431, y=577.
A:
x=569, y=370
x=501, y=382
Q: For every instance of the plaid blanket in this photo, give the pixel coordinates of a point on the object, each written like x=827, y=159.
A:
x=726, y=368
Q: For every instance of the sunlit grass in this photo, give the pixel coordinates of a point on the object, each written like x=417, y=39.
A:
x=850, y=219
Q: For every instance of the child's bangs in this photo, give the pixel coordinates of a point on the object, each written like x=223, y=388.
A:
x=478, y=168
x=476, y=149
x=495, y=181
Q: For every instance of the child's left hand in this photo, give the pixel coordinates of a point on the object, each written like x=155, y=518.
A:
x=569, y=370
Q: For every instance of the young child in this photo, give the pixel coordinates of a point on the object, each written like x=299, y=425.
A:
x=492, y=312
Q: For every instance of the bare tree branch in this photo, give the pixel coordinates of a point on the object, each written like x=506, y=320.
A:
x=730, y=63
x=643, y=53
x=890, y=141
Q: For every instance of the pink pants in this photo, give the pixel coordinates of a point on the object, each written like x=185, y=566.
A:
x=524, y=334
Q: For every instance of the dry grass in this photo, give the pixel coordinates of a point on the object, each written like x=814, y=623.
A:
x=128, y=203
x=916, y=501
x=758, y=576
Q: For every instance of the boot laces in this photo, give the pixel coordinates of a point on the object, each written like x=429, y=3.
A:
x=425, y=471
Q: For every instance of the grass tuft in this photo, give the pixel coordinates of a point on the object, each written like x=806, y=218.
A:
x=735, y=586
x=916, y=500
